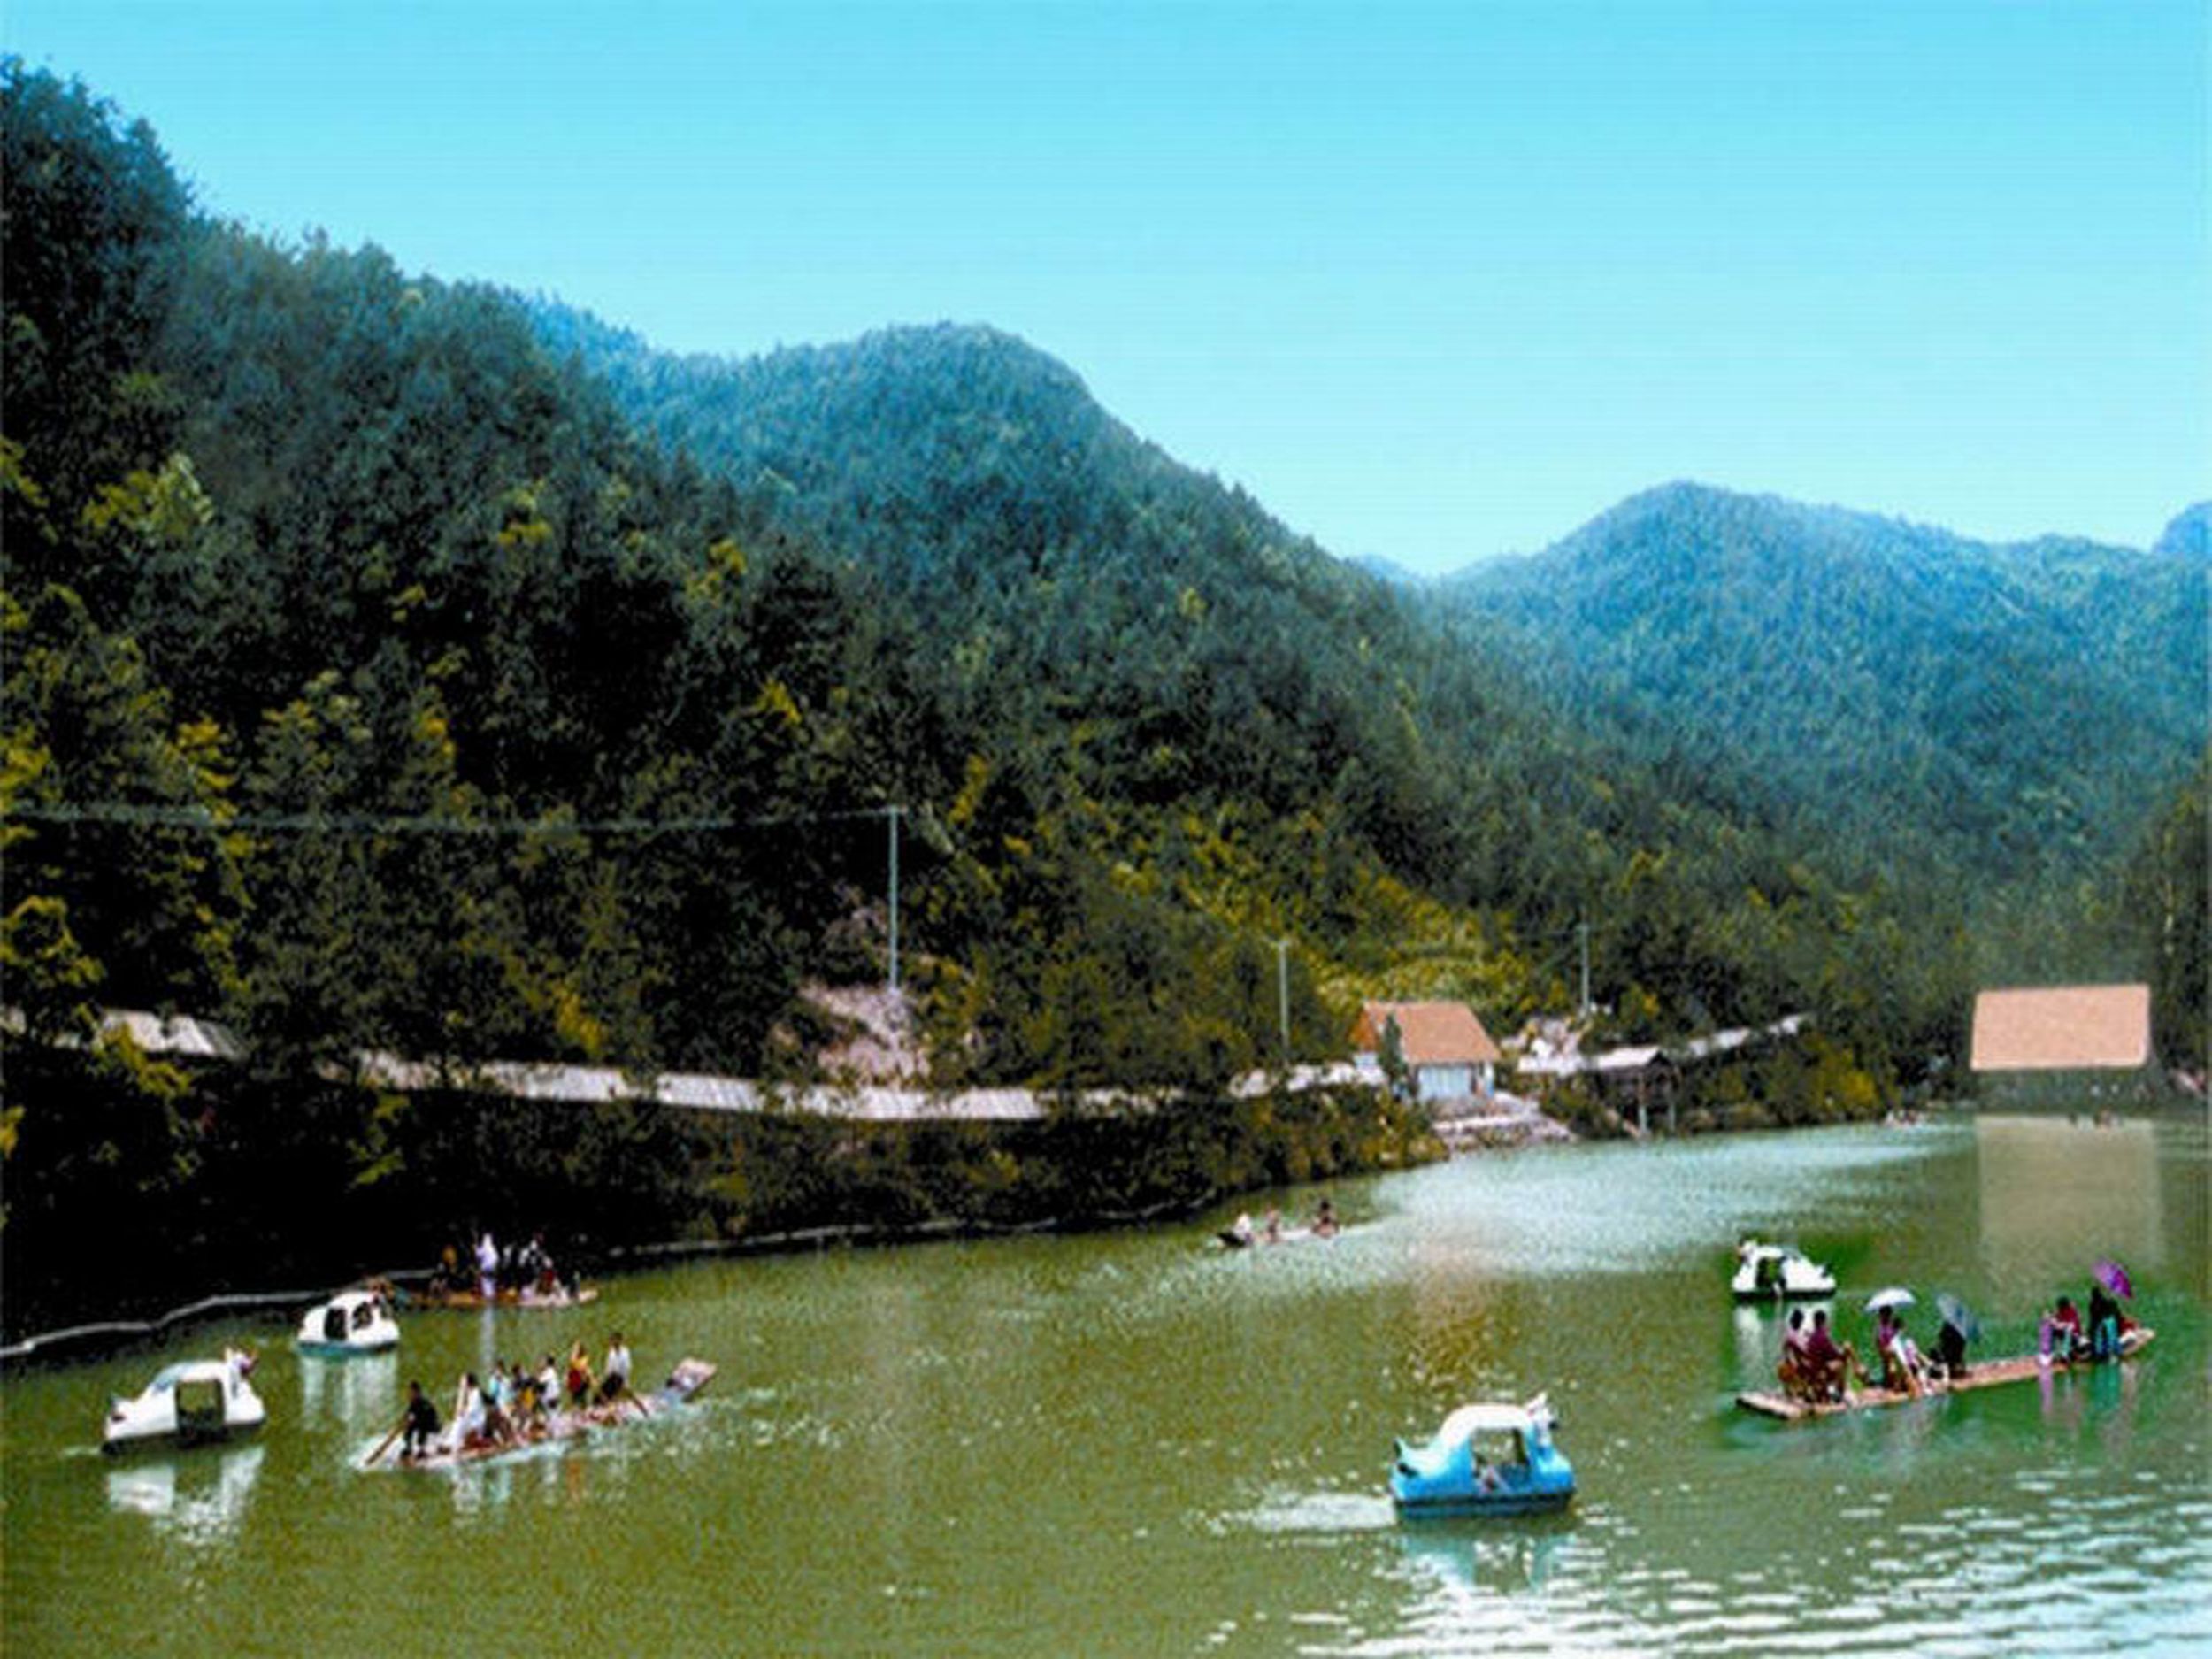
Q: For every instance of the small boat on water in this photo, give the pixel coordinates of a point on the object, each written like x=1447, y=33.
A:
x=1241, y=1234
x=191, y=1401
x=528, y=1296
x=351, y=1322
x=1487, y=1459
x=1777, y=1271
x=1988, y=1374
x=1230, y=1239
x=685, y=1383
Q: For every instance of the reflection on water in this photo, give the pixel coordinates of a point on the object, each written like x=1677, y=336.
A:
x=2099, y=1398
x=196, y=1498
x=2056, y=1194
x=354, y=1393
x=1476, y=1557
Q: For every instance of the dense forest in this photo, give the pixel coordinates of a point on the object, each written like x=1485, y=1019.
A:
x=398, y=665
x=2006, y=715
x=1967, y=737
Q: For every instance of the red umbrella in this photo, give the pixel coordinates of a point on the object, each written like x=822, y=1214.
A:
x=2114, y=1278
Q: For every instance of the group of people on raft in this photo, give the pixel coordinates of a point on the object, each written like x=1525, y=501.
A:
x=2063, y=1338
x=498, y=1271
x=1816, y=1367
x=514, y=1405
x=1241, y=1232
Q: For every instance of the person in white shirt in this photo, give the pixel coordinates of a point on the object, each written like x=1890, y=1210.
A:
x=614, y=1376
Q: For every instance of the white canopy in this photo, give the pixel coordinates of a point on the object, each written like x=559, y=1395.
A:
x=1490, y=1417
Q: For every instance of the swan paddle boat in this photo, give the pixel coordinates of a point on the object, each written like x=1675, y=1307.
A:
x=1487, y=1459
x=194, y=1400
x=1777, y=1270
x=351, y=1322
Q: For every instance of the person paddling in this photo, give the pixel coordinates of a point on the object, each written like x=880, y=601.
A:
x=420, y=1423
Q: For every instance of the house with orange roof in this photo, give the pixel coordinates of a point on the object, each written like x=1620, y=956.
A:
x=2062, y=1027
x=1448, y=1053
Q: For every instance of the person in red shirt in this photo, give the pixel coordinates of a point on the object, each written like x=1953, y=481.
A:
x=2064, y=1342
x=1831, y=1366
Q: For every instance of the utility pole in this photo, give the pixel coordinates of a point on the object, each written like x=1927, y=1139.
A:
x=1582, y=937
x=1282, y=991
x=891, y=816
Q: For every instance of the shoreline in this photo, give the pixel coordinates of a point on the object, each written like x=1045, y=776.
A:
x=277, y=1192
x=1453, y=1135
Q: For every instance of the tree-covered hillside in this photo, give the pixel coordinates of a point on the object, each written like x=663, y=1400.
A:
x=2188, y=532
x=2011, y=714
x=342, y=559
x=1207, y=656
x=553, y=692
x=390, y=664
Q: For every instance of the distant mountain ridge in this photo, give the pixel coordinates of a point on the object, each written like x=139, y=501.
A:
x=2023, y=706
x=2034, y=700
x=550, y=698
x=2189, y=533
x=927, y=450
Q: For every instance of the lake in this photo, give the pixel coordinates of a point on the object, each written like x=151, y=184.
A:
x=1140, y=1443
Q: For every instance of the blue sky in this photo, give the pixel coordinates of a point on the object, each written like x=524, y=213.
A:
x=1432, y=281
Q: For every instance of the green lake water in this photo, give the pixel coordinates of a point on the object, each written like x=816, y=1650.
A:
x=1138, y=1443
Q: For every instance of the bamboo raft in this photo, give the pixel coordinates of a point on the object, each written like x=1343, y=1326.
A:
x=684, y=1384
x=1987, y=1375
x=469, y=1300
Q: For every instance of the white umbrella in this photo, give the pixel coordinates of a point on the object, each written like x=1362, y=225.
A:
x=1895, y=1296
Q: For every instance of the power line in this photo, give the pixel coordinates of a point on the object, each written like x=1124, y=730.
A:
x=130, y=817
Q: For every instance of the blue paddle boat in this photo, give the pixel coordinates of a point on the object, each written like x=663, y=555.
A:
x=1486, y=1460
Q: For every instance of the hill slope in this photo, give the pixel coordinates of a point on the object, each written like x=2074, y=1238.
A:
x=2019, y=711
x=350, y=548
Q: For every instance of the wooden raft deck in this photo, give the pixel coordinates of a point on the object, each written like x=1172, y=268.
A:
x=472, y=1301
x=1987, y=1375
x=684, y=1384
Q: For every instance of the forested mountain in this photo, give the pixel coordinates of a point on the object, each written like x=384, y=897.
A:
x=392, y=664
x=297, y=543
x=550, y=692
x=2015, y=713
x=1207, y=655
x=2189, y=533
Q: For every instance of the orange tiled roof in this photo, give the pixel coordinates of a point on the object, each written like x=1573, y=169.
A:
x=1429, y=1033
x=2063, y=1025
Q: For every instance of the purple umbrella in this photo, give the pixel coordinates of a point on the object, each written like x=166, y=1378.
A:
x=2114, y=1278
